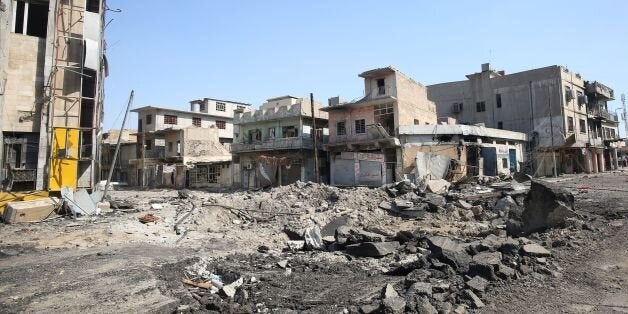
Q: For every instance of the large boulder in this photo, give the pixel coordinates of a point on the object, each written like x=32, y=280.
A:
x=546, y=206
x=451, y=252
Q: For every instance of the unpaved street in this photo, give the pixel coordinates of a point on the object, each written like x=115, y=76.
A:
x=114, y=263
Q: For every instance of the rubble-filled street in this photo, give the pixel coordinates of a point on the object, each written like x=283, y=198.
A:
x=487, y=245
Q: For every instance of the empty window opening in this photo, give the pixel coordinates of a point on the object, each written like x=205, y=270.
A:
x=255, y=135
x=384, y=115
x=341, y=128
x=170, y=145
x=271, y=132
x=568, y=93
x=381, y=87
x=202, y=107
x=87, y=113
x=149, y=119
x=92, y=6
x=417, y=122
x=500, y=125
x=170, y=119
x=86, y=144
x=570, y=124
x=220, y=106
x=480, y=106
x=31, y=18
x=196, y=121
x=139, y=125
x=583, y=126
x=504, y=163
x=360, y=126
x=178, y=148
x=148, y=144
x=221, y=124
x=88, y=88
x=498, y=100
x=290, y=131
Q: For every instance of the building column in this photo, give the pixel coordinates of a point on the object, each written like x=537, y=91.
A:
x=587, y=161
x=615, y=158
x=600, y=161
x=594, y=161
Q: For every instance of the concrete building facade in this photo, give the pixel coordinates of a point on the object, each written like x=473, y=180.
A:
x=551, y=105
x=363, y=144
x=52, y=70
x=274, y=145
x=124, y=170
x=185, y=148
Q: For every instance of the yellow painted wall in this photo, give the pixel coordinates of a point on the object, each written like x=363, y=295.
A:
x=64, y=162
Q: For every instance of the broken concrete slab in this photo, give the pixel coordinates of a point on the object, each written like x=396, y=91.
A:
x=477, y=284
x=372, y=249
x=489, y=258
x=313, y=239
x=439, y=186
x=450, y=251
x=402, y=204
x=31, y=210
x=347, y=235
x=330, y=228
x=435, y=201
x=421, y=288
x=473, y=300
x=534, y=249
x=391, y=300
x=546, y=206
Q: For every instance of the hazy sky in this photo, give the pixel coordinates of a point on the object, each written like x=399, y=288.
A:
x=171, y=52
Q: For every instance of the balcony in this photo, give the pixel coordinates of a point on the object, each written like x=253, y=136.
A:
x=376, y=136
x=601, y=113
x=274, y=144
x=600, y=89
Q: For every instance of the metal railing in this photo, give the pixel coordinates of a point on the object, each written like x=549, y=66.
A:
x=602, y=113
x=274, y=143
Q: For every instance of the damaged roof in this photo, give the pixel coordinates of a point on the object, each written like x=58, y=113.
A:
x=452, y=129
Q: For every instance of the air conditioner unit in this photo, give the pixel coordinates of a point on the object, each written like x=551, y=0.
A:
x=457, y=107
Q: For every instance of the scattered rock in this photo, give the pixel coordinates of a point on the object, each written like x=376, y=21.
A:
x=185, y=193
x=421, y=288
x=230, y=289
x=438, y=186
x=435, y=201
x=450, y=251
x=391, y=300
x=348, y=235
x=372, y=249
x=263, y=249
x=546, y=206
x=330, y=228
x=534, y=249
x=295, y=245
x=473, y=300
x=283, y=263
x=477, y=284
x=370, y=308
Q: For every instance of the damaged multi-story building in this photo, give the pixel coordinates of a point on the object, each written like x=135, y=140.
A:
x=565, y=118
x=185, y=148
x=274, y=145
x=52, y=70
x=363, y=145
x=128, y=147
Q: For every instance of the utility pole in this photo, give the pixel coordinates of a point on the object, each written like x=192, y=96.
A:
x=549, y=104
x=623, y=103
x=115, y=154
x=316, y=171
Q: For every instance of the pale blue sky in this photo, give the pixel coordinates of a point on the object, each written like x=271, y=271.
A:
x=171, y=52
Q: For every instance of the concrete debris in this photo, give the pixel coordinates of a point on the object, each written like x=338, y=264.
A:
x=438, y=186
x=230, y=289
x=477, y=284
x=347, y=235
x=391, y=300
x=451, y=252
x=372, y=249
x=295, y=245
x=313, y=239
x=473, y=300
x=31, y=210
x=185, y=193
x=534, y=249
x=546, y=206
x=148, y=218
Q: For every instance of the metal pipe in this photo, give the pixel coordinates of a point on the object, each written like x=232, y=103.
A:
x=115, y=154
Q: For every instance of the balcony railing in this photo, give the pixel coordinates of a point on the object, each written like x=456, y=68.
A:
x=602, y=113
x=275, y=144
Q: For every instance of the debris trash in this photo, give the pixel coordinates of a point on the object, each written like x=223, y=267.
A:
x=148, y=218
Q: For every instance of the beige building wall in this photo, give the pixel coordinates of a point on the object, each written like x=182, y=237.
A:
x=413, y=105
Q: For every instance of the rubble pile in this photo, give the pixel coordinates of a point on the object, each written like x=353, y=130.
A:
x=479, y=242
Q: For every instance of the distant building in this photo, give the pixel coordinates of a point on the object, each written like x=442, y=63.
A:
x=123, y=168
x=560, y=112
x=185, y=148
x=275, y=146
x=363, y=144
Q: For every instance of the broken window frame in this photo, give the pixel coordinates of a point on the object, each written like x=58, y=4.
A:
x=170, y=119
x=341, y=128
x=197, y=121
x=360, y=126
x=222, y=125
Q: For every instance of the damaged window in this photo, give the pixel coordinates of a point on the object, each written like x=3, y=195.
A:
x=500, y=125
x=290, y=131
x=498, y=100
x=569, y=124
x=271, y=132
x=149, y=119
x=221, y=124
x=583, y=126
x=170, y=119
x=196, y=121
x=92, y=6
x=148, y=144
x=341, y=128
x=384, y=115
x=31, y=18
x=360, y=126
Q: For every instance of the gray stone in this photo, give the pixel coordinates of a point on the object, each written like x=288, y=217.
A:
x=401, y=204
x=391, y=300
x=385, y=205
x=417, y=275
x=439, y=186
x=372, y=249
x=477, y=284
x=313, y=239
x=293, y=232
x=185, y=193
x=451, y=252
x=348, y=235
x=534, y=249
x=505, y=272
x=230, y=289
x=283, y=263
x=474, y=301
x=295, y=245
x=464, y=204
x=477, y=210
x=424, y=306
x=330, y=228
x=421, y=288
x=505, y=204
x=490, y=258
x=370, y=308
x=435, y=201
x=546, y=206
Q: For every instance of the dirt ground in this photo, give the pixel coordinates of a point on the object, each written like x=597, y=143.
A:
x=114, y=263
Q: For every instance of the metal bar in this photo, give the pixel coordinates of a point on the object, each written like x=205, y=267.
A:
x=115, y=154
